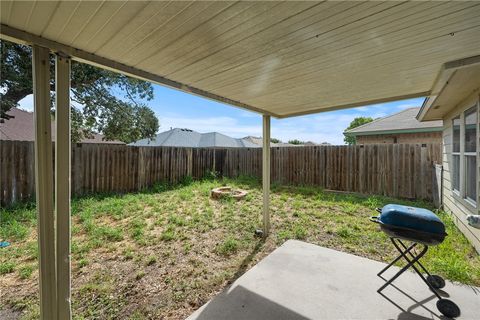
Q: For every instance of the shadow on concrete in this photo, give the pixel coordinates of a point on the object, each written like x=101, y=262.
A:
x=241, y=303
x=408, y=314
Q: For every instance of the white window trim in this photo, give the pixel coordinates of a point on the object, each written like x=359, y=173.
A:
x=461, y=194
x=458, y=192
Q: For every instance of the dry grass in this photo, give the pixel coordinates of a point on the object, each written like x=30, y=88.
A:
x=161, y=254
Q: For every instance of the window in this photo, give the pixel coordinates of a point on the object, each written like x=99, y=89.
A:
x=464, y=164
x=456, y=154
x=471, y=136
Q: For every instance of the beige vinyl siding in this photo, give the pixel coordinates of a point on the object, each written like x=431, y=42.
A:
x=452, y=202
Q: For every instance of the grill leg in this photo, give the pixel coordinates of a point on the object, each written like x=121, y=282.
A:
x=396, y=259
x=411, y=254
x=412, y=263
x=409, y=264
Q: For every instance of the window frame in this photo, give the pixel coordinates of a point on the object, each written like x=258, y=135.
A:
x=457, y=154
x=471, y=110
x=463, y=155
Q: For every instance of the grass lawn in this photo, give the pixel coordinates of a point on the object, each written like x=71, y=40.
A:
x=163, y=253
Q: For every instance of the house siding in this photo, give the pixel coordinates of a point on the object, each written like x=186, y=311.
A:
x=452, y=203
x=419, y=137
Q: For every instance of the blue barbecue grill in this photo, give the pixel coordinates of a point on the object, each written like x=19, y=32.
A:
x=419, y=227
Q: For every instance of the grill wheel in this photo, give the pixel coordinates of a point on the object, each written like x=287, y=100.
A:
x=448, y=308
x=436, y=281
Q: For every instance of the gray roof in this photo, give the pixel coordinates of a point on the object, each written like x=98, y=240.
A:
x=403, y=121
x=188, y=138
x=259, y=142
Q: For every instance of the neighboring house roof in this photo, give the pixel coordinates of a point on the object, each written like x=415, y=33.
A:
x=259, y=142
x=401, y=122
x=22, y=128
x=188, y=138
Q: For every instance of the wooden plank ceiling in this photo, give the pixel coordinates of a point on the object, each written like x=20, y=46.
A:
x=279, y=58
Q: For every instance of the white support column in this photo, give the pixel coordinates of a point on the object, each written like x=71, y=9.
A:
x=266, y=175
x=62, y=184
x=44, y=183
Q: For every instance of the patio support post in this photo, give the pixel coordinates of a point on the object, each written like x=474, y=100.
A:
x=266, y=174
x=62, y=184
x=44, y=182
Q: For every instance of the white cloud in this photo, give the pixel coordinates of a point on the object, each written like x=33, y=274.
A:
x=326, y=127
x=317, y=129
x=26, y=103
x=226, y=125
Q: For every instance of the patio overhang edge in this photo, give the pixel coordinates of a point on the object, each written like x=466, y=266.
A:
x=23, y=37
x=441, y=81
x=357, y=104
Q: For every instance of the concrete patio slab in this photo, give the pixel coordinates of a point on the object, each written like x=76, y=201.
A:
x=304, y=281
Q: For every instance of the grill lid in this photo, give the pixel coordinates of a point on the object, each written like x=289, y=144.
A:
x=412, y=218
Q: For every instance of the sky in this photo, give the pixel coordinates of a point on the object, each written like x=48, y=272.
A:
x=176, y=109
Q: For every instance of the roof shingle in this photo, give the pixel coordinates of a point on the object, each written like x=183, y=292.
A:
x=402, y=121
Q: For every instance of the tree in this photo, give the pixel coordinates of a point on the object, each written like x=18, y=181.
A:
x=120, y=116
x=358, y=121
x=275, y=140
x=296, y=142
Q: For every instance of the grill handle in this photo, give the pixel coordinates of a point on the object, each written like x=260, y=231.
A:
x=375, y=219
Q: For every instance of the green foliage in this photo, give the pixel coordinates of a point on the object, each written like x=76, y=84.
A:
x=151, y=260
x=275, y=140
x=107, y=233
x=140, y=275
x=358, y=121
x=228, y=247
x=25, y=272
x=211, y=175
x=82, y=262
x=15, y=222
x=111, y=103
x=7, y=267
x=296, y=142
x=168, y=234
x=138, y=229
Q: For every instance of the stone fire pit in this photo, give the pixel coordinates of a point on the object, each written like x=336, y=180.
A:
x=224, y=192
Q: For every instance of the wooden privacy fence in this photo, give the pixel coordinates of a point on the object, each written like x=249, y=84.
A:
x=399, y=170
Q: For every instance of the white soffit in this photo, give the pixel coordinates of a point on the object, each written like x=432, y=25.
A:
x=277, y=58
x=452, y=87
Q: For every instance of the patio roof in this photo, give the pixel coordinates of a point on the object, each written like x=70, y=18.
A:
x=301, y=281
x=280, y=59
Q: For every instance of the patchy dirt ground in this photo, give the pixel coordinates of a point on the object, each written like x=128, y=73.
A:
x=164, y=253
